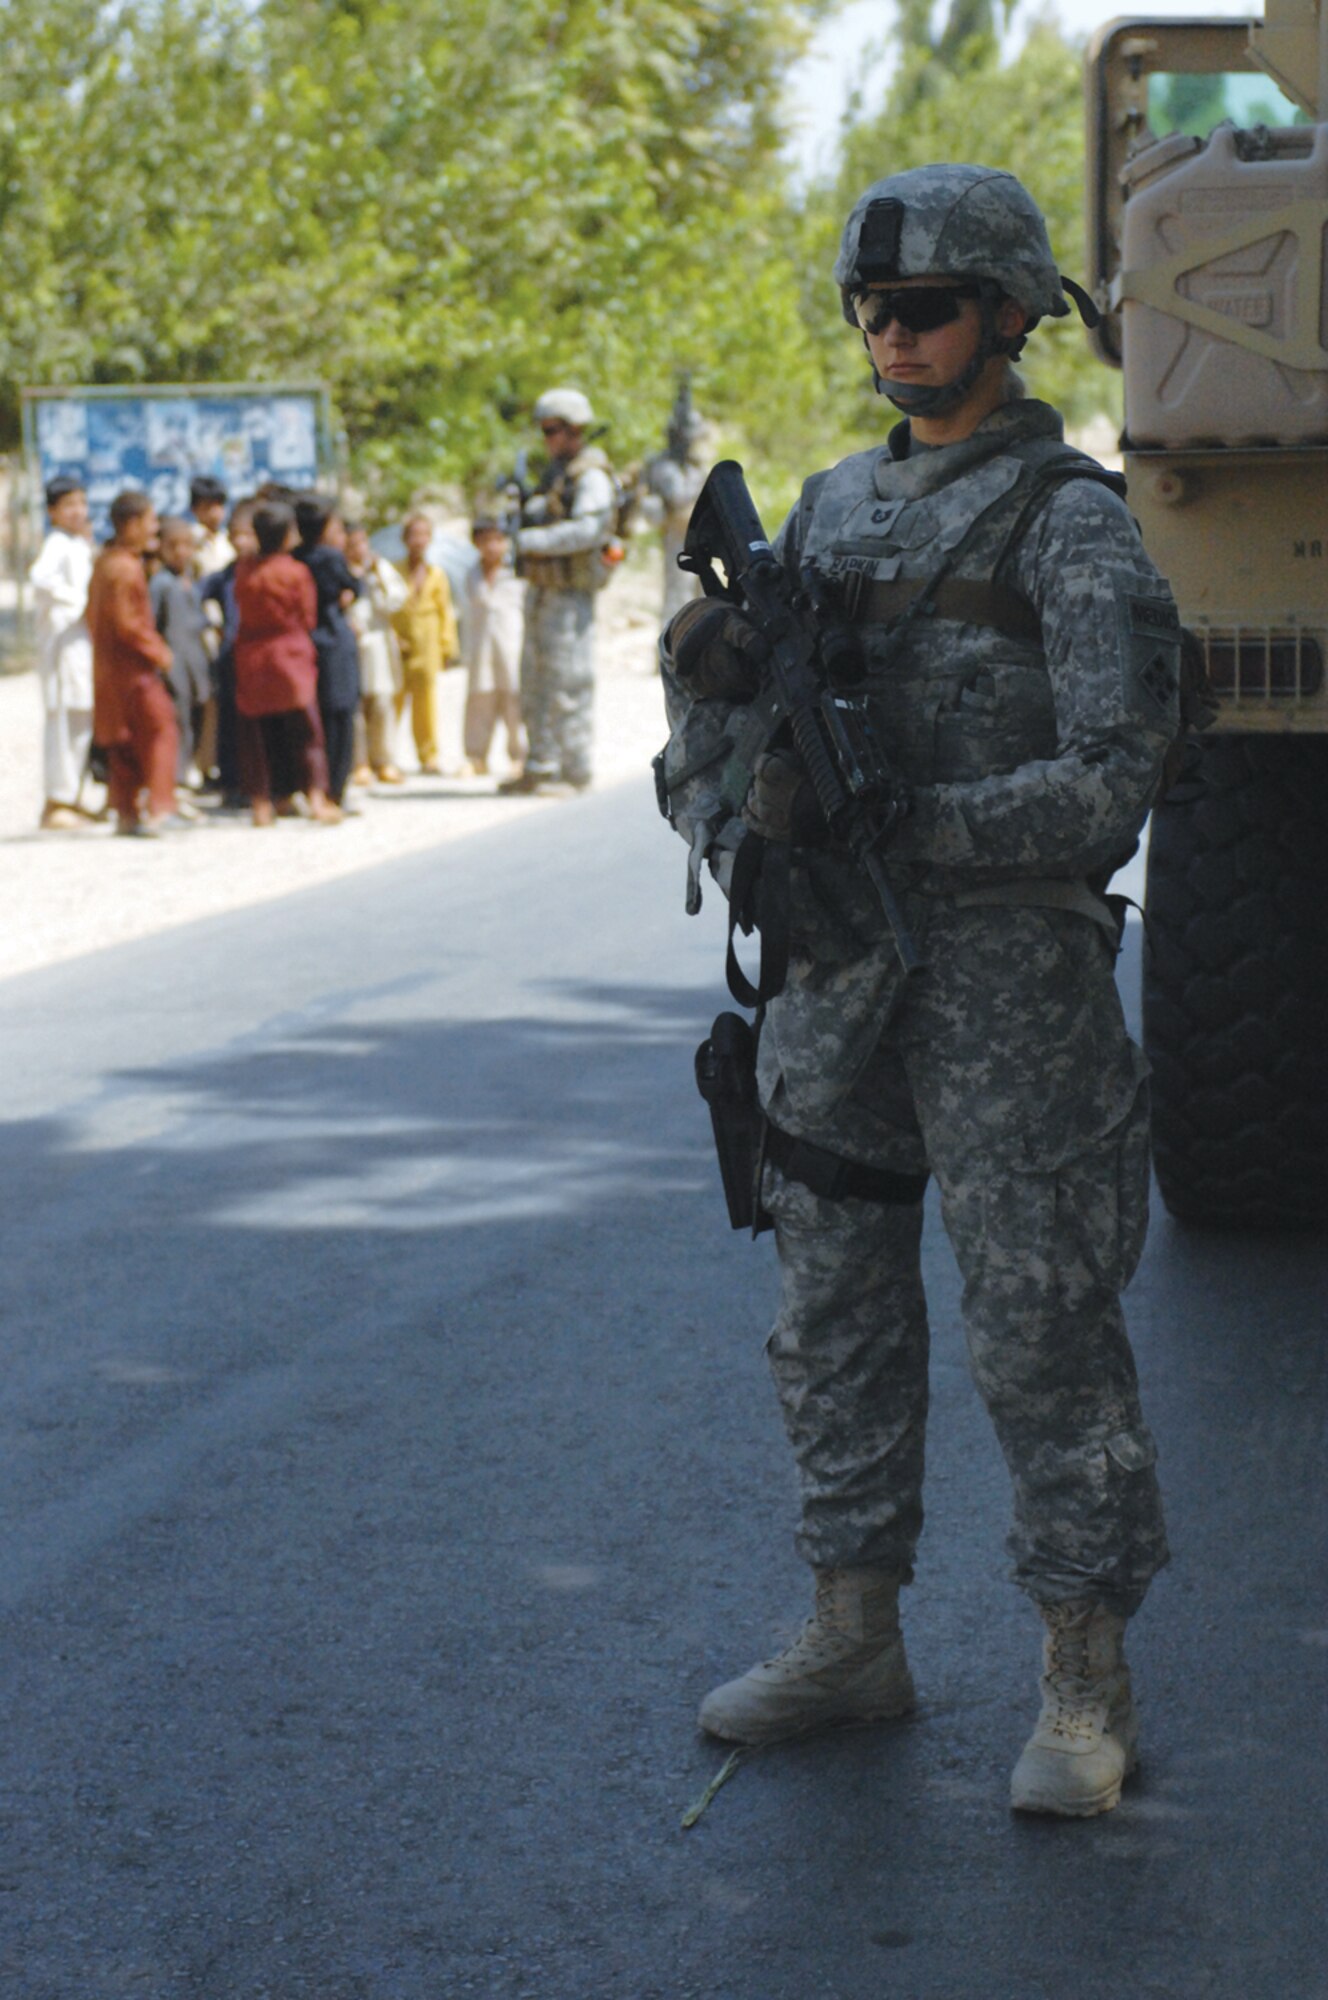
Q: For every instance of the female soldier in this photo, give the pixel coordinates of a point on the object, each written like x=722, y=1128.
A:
x=1021, y=658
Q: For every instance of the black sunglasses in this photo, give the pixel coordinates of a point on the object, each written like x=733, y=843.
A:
x=918, y=308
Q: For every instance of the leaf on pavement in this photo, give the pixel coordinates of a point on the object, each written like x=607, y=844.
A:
x=721, y=1777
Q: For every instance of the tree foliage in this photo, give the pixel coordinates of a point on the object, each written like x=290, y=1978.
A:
x=955, y=96
x=441, y=210
x=437, y=210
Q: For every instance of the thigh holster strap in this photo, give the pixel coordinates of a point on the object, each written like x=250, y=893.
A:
x=834, y=1178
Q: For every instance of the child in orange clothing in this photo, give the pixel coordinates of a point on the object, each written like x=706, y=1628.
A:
x=133, y=714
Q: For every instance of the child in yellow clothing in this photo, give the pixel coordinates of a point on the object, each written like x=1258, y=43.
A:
x=427, y=629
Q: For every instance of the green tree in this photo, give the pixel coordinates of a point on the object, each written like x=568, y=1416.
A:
x=438, y=211
x=956, y=97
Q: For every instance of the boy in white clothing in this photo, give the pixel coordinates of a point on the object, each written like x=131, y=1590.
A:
x=59, y=579
x=213, y=548
x=493, y=622
x=384, y=591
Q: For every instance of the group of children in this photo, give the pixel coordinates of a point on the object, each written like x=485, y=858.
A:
x=271, y=659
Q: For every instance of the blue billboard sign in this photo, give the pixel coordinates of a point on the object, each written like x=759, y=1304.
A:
x=161, y=438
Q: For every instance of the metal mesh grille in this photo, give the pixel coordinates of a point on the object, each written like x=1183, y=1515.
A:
x=1260, y=664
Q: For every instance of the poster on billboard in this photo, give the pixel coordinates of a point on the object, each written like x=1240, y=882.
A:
x=160, y=438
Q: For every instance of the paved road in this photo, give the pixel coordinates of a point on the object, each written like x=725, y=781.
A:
x=388, y=1467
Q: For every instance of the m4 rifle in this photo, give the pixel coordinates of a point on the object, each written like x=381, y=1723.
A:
x=813, y=668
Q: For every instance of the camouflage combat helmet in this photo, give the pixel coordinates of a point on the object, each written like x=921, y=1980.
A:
x=978, y=224
x=952, y=221
x=564, y=405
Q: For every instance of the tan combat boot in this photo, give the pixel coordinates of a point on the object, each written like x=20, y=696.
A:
x=1084, y=1746
x=846, y=1665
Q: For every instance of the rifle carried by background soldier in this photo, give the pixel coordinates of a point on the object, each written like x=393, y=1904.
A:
x=514, y=492
x=668, y=485
x=683, y=421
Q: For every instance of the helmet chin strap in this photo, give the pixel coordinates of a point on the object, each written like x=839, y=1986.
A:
x=917, y=399
x=921, y=399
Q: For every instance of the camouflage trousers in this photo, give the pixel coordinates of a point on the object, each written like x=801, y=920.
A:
x=558, y=683
x=1009, y=1073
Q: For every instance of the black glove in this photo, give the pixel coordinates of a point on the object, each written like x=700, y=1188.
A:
x=782, y=803
x=716, y=652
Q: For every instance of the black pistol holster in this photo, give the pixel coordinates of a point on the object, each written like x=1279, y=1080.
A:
x=726, y=1079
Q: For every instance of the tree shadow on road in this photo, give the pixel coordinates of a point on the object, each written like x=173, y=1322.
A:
x=388, y=1469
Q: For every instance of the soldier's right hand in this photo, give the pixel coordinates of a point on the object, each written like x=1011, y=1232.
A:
x=782, y=802
x=716, y=652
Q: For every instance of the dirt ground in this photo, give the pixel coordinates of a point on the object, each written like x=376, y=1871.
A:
x=70, y=893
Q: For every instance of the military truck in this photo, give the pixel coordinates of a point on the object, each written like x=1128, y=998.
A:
x=1207, y=202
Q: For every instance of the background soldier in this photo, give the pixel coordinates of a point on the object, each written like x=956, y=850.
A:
x=1020, y=654
x=565, y=525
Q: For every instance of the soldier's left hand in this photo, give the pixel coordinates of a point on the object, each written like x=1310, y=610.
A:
x=782, y=802
x=715, y=651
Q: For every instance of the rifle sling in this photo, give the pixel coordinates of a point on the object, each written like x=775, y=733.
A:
x=759, y=900
x=966, y=600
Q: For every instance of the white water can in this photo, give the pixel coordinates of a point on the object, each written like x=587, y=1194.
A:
x=1222, y=290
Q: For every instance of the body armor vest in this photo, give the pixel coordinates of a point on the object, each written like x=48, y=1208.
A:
x=918, y=552
x=586, y=569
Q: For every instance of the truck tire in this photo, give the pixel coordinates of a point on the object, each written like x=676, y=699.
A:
x=1235, y=994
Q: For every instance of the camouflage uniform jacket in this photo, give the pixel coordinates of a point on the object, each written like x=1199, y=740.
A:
x=1033, y=760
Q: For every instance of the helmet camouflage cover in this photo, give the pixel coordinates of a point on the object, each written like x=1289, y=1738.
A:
x=955, y=222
